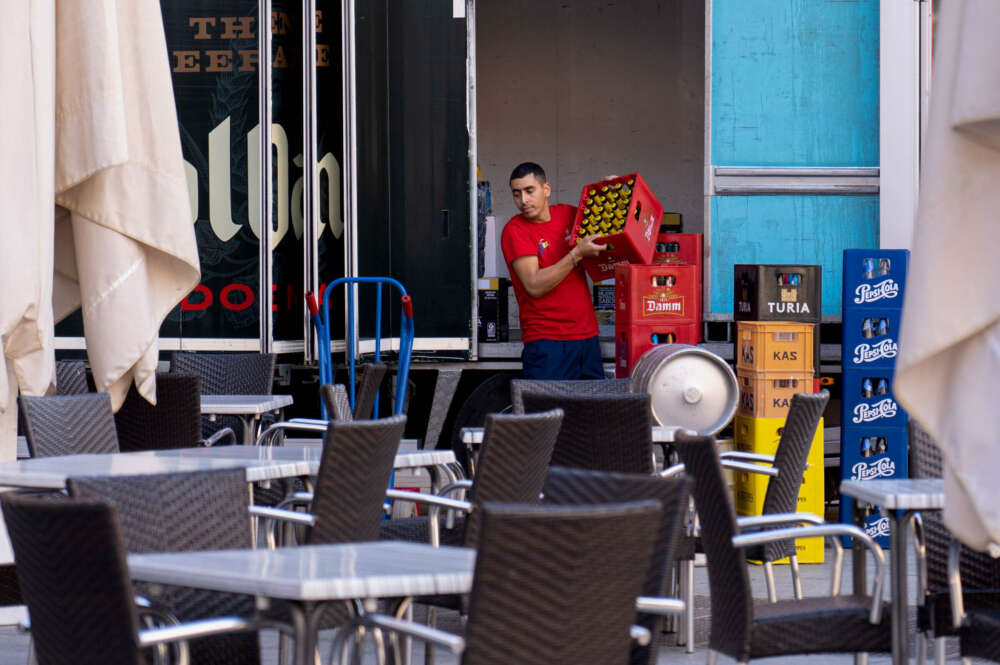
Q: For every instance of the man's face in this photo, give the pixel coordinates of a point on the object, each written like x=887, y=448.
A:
x=530, y=195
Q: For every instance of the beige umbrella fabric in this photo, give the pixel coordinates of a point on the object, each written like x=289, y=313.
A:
x=948, y=370
x=124, y=247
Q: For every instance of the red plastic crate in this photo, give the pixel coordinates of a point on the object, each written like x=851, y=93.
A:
x=634, y=340
x=688, y=250
x=637, y=242
x=658, y=293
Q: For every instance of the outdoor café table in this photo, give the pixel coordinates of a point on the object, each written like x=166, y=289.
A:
x=909, y=496
x=249, y=409
x=661, y=434
x=308, y=577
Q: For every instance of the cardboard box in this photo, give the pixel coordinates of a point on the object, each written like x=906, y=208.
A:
x=493, y=322
x=777, y=293
x=636, y=241
x=775, y=345
x=658, y=294
x=768, y=393
x=761, y=435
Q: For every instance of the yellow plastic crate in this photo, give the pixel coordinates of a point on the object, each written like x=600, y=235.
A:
x=761, y=435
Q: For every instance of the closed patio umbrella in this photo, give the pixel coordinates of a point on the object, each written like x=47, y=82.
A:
x=90, y=121
x=948, y=370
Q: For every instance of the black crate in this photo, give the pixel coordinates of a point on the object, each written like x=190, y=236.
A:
x=758, y=295
x=493, y=326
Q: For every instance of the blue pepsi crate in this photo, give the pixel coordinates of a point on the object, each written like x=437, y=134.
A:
x=870, y=338
x=867, y=398
x=869, y=453
x=874, y=278
x=875, y=525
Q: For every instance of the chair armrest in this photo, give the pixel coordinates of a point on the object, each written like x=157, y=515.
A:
x=296, y=498
x=273, y=430
x=955, y=583
x=463, y=484
x=661, y=606
x=749, y=467
x=454, y=644
x=308, y=421
x=828, y=530
x=193, y=629
x=224, y=433
x=672, y=471
x=291, y=516
x=640, y=635
x=436, y=503
x=774, y=519
x=743, y=456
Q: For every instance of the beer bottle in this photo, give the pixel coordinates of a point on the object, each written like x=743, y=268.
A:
x=612, y=195
x=868, y=268
x=882, y=388
x=867, y=447
x=604, y=190
x=883, y=327
x=671, y=338
x=670, y=280
x=883, y=267
x=881, y=446
x=630, y=182
x=867, y=331
x=867, y=389
x=617, y=185
x=592, y=193
x=626, y=191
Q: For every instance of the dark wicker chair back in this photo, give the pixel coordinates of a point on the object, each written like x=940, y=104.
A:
x=790, y=459
x=85, y=613
x=69, y=424
x=336, y=401
x=353, y=475
x=227, y=374
x=513, y=462
x=600, y=432
x=728, y=581
x=184, y=512
x=549, y=591
x=520, y=387
x=174, y=422
x=71, y=377
x=925, y=456
x=580, y=487
x=371, y=380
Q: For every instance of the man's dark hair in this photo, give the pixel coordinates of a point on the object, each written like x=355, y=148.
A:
x=526, y=169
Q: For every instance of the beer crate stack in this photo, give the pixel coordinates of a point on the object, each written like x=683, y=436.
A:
x=777, y=309
x=873, y=439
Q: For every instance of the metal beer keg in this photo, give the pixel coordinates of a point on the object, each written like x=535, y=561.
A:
x=689, y=387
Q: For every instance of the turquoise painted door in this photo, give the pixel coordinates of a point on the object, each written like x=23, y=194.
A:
x=794, y=138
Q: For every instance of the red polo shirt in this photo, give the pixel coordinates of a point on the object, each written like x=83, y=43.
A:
x=566, y=312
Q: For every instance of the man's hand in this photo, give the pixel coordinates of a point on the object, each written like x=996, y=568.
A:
x=587, y=247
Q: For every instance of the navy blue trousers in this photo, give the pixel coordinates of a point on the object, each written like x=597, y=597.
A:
x=563, y=359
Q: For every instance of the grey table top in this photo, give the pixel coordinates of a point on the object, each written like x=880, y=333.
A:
x=897, y=493
x=661, y=434
x=316, y=572
x=239, y=405
x=260, y=464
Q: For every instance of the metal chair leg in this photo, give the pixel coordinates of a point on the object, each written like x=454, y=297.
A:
x=428, y=647
x=861, y=659
x=921, y=648
x=712, y=657
x=796, y=577
x=939, y=657
x=689, y=608
x=772, y=593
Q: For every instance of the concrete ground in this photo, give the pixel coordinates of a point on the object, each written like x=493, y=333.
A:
x=816, y=580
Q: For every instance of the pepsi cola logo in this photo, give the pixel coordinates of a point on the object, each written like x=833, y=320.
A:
x=883, y=468
x=877, y=528
x=884, y=290
x=866, y=413
x=866, y=353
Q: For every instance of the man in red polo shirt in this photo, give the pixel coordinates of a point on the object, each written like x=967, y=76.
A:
x=558, y=326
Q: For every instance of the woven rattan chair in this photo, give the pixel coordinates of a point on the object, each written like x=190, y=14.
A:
x=790, y=461
x=86, y=613
x=184, y=512
x=173, y=422
x=600, y=432
x=547, y=588
x=979, y=575
x=580, y=487
x=69, y=424
x=743, y=629
x=978, y=626
x=338, y=402
x=227, y=374
x=520, y=387
x=71, y=377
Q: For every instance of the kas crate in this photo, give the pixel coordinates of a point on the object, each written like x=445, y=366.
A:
x=631, y=341
x=867, y=398
x=761, y=435
x=775, y=345
x=636, y=242
x=658, y=294
x=777, y=293
x=768, y=394
x=875, y=278
x=870, y=337
x=679, y=248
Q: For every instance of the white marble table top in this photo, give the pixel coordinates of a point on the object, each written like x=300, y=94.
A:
x=661, y=434
x=316, y=572
x=897, y=493
x=308, y=455
x=237, y=405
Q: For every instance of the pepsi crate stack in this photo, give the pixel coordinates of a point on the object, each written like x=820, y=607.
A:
x=777, y=309
x=873, y=441
x=659, y=303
